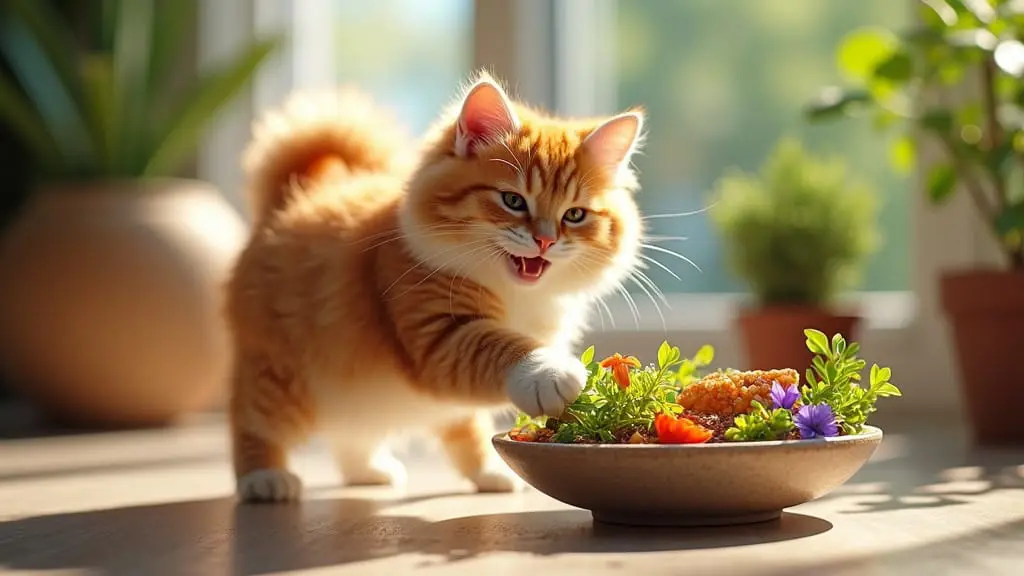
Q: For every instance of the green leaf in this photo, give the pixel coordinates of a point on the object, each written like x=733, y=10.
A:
x=941, y=183
x=937, y=120
x=98, y=80
x=55, y=104
x=884, y=374
x=55, y=40
x=874, y=375
x=902, y=154
x=179, y=136
x=170, y=26
x=834, y=102
x=1009, y=219
x=664, y=353
x=705, y=355
x=898, y=67
x=863, y=51
x=888, y=389
x=588, y=356
x=817, y=342
x=18, y=113
x=132, y=45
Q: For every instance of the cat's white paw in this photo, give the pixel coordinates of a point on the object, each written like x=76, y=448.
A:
x=497, y=480
x=269, y=485
x=383, y=470
x=545, y=382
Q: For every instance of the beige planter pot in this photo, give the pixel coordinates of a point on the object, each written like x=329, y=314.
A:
x=110, y=300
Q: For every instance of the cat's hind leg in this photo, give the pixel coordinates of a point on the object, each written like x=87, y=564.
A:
x=366, y=462
x=468, y=445
x=270, y=412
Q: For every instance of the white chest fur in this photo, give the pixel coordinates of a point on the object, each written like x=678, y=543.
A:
x=555, y=322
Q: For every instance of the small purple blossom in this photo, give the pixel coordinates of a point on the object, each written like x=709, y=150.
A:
x=816, y=420
x=783, y=397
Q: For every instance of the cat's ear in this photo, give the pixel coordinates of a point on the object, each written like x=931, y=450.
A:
x=613, y=143
x=486, y=115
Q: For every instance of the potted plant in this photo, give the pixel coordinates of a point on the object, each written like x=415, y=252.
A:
x=798, y=233
x=109, y=308
x=903, y=80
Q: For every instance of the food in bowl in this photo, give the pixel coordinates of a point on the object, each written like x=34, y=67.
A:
x=673, y=402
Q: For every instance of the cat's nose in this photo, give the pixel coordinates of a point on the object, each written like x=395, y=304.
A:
x=544, y=241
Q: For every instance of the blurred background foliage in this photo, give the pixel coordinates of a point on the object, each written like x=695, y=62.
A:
x=725, y=79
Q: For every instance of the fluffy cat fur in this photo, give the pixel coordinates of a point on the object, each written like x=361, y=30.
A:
x=378, y=293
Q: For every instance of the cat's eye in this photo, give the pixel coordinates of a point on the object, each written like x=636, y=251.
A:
x=574, y=215
x=514, y=201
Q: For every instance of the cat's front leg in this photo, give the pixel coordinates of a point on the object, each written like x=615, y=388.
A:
x=545, y=381
x=468, y=357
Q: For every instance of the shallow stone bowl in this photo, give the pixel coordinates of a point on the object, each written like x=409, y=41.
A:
x=689, y=485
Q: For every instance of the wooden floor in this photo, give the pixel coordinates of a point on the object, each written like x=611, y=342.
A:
x=159, y=503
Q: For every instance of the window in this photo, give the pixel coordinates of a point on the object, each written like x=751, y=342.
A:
x=411, y=55
x=722, y=79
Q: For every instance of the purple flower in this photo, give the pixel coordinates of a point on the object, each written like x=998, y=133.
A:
x=783, y=397
x=816, y=420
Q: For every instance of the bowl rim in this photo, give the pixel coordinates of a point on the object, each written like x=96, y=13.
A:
x=870, y=433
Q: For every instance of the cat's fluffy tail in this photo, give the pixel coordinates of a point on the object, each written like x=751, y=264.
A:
x=314, y=135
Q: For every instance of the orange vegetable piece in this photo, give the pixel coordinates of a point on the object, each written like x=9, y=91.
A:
x=672, y=430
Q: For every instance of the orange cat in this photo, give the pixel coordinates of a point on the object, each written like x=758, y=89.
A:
x=377, y=296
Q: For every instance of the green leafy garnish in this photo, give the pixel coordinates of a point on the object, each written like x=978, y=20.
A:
x=834, y=379
x=606, y=408
x=761, y=424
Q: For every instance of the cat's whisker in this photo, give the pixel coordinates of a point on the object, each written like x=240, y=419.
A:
x=600, y=315
x=600, y=302
x=653, y=301
x=647, y=258
x=404, y=236
x=653, y=286
x=418, y=264
x=629, y=302
x=442, y=225
x=673, y=253
x=509, y=164
x=519, y=166
x=656, y=238
x=443, y=265
x=497, y=251
x=678, y=214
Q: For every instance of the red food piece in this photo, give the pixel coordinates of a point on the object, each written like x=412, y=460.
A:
x=672, y=430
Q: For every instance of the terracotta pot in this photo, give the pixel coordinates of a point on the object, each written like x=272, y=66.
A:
x=986, y=312
x=774, y=336
x=110, y=300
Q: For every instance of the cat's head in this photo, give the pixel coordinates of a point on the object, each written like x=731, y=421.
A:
x=513, y=198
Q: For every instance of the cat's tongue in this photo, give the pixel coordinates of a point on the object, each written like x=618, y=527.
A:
x=530, y=268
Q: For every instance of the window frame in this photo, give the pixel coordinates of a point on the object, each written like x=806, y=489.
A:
x=526, y=44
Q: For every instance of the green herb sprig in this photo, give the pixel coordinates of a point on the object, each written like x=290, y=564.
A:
x=834, y=380
x=761, y=424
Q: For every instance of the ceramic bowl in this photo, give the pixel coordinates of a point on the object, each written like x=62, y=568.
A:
x=689, y=485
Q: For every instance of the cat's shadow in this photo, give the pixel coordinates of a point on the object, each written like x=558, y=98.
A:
x=217, y=536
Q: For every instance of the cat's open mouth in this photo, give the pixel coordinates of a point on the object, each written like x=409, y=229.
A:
x=528, y=269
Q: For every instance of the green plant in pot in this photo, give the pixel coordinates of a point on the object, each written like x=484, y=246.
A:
x=109, y=311
x=798, y=233
x=903, y=79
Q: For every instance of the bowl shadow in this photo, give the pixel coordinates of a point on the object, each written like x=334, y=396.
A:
x=218, y=536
